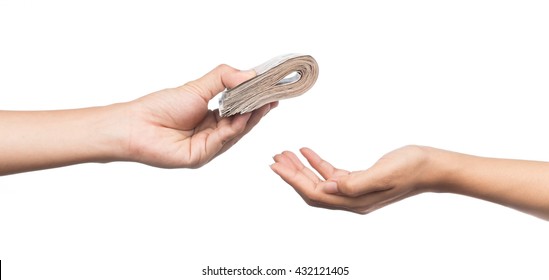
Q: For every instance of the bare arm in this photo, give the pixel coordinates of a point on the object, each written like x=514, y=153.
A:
x=170, y=128
x=519, y=184
x=46, y=139
x=411, y=170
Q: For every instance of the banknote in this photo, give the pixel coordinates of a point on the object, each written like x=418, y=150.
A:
x=282, y=77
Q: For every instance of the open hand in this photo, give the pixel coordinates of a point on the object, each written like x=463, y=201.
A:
x=395, y=176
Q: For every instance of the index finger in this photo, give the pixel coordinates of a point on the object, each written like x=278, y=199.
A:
x=323, y=167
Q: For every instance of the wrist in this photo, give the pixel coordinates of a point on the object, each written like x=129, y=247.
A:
x=440, y=167
x=111, y=126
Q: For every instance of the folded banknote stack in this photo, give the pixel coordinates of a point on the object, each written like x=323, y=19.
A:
x=280, y=78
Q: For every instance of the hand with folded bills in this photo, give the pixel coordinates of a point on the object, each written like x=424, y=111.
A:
x=170, y=128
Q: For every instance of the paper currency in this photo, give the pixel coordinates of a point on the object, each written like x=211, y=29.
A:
x=282, y=77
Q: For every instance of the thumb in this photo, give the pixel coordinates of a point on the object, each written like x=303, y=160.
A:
x=361, y=182
x=217, y=80
x=232, y=80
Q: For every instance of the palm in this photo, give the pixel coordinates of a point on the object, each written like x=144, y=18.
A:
x=392, y=178
x=303, y=179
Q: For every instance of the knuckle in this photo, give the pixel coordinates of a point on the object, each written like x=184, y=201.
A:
x=194, y=87
x=414, y=148
x=224, y=67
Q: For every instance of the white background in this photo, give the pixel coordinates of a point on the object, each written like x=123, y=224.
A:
x=469, y=76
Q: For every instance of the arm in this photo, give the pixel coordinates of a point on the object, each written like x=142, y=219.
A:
x=411, y=170
x=169, y=128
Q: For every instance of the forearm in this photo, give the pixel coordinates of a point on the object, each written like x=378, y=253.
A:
x=47, y=139
x=522, y=185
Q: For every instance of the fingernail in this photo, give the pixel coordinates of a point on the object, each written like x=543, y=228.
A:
x=330, y=187
x=249, y=73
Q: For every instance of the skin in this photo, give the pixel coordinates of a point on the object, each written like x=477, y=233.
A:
x=411, y=170
x=171, y=128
